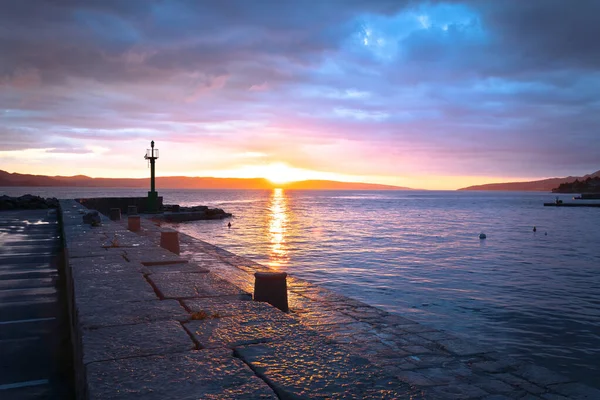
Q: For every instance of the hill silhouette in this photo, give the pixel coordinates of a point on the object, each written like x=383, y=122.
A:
x=184, y=182
x=544, y=185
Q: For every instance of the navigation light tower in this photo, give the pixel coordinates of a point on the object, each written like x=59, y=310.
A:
x=152, y=156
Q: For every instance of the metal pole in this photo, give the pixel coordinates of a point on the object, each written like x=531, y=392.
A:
x=152, y=195
x=152, y=186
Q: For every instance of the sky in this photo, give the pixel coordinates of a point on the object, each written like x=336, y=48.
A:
x=424, y=94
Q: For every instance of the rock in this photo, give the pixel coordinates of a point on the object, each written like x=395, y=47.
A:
x=175, y=213
x=195, y=208
x=92, y=218
x=27, y=201
x=6, y=203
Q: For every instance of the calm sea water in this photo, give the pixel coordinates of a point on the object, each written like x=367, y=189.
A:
x=535, y=296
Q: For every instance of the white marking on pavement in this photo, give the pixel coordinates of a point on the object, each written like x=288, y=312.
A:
x=24, y=384
x=23, y=321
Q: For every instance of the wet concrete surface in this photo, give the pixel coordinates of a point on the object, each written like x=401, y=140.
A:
x=34, y=346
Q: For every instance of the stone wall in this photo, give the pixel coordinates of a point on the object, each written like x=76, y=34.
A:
x=104, y=204
x=79, y=378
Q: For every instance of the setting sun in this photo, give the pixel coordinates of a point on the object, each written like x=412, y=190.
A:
x=282, y=173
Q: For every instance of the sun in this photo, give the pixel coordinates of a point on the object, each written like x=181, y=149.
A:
x=280, y=173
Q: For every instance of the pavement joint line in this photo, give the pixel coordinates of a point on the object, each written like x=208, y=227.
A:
x=18, y=385
x=24, y=321
x=197, y=344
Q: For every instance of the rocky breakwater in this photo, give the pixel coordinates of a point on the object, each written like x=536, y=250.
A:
x=27, y=202
x=176, y=213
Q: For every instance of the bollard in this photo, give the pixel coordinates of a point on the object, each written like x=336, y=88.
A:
x=133, y=223
x=131, y=210
x=272, y=288
x=115, y=214
x=170, y=240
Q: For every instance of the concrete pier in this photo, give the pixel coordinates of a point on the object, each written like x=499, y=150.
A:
x=155, y=325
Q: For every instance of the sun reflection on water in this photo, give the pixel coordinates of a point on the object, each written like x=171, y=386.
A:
x=278, y=224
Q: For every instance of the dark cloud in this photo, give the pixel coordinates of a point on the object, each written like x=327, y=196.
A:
x=547, y=33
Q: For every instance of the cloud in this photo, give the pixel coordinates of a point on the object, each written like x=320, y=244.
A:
x=72, y=150
x=452, y=86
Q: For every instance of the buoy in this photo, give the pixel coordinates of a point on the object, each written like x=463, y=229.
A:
x=482, y=236
x=545, y=233
x=534, y=229
x=229, y=225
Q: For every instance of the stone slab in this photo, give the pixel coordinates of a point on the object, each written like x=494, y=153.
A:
x=109, y=290
x=324, y=317
x=154, y=338
x=315, y=369
x=246, y=329
x=86, y=251
x=174, y=268
x=225, y=307
x=148, y=255
x=103, y=267
x=126, y=239
x=93, y=314
x=203, y=374
x=189, y=285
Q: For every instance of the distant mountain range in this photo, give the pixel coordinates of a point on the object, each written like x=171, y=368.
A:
x=183, y=182
x=544, y=185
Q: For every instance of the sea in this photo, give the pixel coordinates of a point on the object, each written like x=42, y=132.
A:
x=531, y=295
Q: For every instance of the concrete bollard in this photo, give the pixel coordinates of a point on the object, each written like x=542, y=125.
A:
x=272, y=288
x=170, y=240
x=131, y=210
x=115, y=214
x=133, y=223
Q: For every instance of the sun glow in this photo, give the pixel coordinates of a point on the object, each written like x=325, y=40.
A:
x=282, y=173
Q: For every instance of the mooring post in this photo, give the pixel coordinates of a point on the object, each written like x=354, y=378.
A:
x=133, y=223
x=170, y=240
x=115, y=214
x=272, y=288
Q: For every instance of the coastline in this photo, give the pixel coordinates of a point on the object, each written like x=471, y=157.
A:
x=410, y=357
